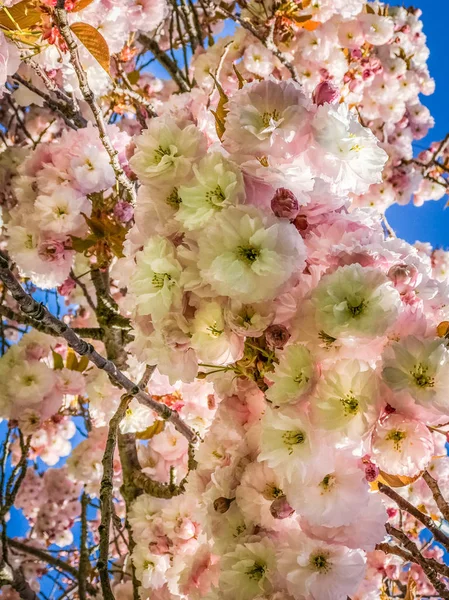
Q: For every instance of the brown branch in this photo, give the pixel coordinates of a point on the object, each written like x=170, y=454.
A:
x=263, y=39
x=95, y=333
x=89, y=97
x=422, y=518
x=37, y=311
x=43, y=556
x=168, y=64
x=107, y=488
x=16, y=579
x=71, y=119
x=430, y=566
x=437, y=495
x=84, y=562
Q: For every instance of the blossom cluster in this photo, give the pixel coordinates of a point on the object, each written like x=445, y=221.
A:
x=54, y=189
x=250, y=267
x=371, y=55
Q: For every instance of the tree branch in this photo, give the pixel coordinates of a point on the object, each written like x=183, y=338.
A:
x=89, y=97
x=422, y=518
x=437, y=495
x=37, y=311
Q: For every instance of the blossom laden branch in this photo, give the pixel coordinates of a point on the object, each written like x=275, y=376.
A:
x=37, y=311
x=421, y=517
x=89, y=97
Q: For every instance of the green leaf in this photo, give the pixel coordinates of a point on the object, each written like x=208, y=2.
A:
x=80, y=245
x=82, y=364
x=71, y=361
x=58, y=362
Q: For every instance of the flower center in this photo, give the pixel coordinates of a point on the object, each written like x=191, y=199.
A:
x=320, y=563
x=159, y=154
x=293, y=438
x=158, y=280
x=356, y=309
x=328, y=482
x=350, y=404
x=420, y=374
x=248, y=254
x=396, y=436
x=214, y=331
x=301, y=378
x=215, y=196
x=272, y=492
x=173, y=199
x=268, y=117
x=257, y=571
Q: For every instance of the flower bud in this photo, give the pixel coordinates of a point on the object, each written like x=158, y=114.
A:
x=123, y=211
x=284, y=204
x=222, y=504
x=371, y=472
x=281, y=509
x=326, y=93
x=276, y=336
x=404, y=277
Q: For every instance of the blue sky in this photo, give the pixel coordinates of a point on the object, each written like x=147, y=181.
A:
x=430, y=223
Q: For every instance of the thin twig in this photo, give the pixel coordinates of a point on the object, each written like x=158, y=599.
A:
x=37, y=311
x=89, y=97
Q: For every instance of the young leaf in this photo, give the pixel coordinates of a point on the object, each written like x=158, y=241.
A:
x=58, y=363
x=239, y=77
x=92, y=39
x=396, y=480
x=20, y=16
x=80, y=5
x=221, y=112
x=71, y=362
x=151, y=431
x=82, y=364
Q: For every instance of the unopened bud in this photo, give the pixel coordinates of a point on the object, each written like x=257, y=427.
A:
x=371, y=472
x=326, y=93
x=276, y=336
x=404, y=277
x=281, y=509
x=123, y=211
x=284, y=204
x=221, y=505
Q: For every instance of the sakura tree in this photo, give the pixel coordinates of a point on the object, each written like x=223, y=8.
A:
x=222, y=374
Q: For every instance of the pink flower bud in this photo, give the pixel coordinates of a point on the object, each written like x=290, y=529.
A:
x=276, y=336
x=371, y=471
x=284, y=204
x=281, y=509
x=67, y=287
x=123, y=211
x=326, y=93
x=404, y=277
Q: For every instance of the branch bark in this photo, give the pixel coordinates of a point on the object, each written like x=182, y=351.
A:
x=421, y=517
x=37, y=311
x=437, y=495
